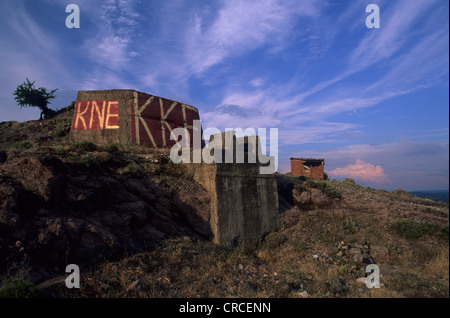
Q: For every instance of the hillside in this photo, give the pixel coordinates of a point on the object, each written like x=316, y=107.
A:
x=137, y=226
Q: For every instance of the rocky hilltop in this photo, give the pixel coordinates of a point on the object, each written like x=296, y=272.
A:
x=138, y=227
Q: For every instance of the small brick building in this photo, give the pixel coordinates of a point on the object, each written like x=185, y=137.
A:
x=311, y=168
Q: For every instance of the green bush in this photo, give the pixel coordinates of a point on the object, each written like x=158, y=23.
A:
x=299, y=246
x=5, y=175
x=443, y=232
x=20, y=145
x=325, y=188
x=133, y=170
x=17, y=288
x=414, y=229
x=274, y=239
x=332, y=192
x=349, y=181
x=343, y=269
x=111, y=147
x=85, y=160
x=350, y=226
x=402, y=193
x=60, y=151
x=408, y=228
x=84, y=146
x=429, y=228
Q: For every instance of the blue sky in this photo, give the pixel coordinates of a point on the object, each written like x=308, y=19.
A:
x=372, y=102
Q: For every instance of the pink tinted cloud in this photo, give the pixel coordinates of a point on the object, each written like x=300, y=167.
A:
x=362, y=171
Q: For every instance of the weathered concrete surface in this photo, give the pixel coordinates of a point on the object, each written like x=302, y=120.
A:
x=244, y=203
x=129, y=117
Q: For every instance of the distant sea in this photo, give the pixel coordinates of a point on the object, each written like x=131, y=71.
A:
x=435, y=195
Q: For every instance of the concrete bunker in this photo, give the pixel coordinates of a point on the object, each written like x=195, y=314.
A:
x=244, y=202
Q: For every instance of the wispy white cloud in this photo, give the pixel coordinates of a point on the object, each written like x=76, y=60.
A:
x=423, y=57
x=28, y=50
x=320, y=132
x=396, y=30
x=421, y=66
x=242, y=26
x=257, y=82
x=33, y=53
x=200, y=40
x=112, y=45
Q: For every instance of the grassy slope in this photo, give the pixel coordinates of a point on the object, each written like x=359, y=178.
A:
x=301, y=257
x=284, y=264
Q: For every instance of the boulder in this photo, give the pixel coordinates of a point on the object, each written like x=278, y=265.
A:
x=379, y=253
x=301, y=197
x=319, y=198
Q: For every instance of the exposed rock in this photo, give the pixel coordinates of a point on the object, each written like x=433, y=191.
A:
x=73, y=213
x=379, y=253
x=319, y=198
x=320, y=287
x=303, y=294
x=357, y=258
x=354, y=250
x=361, y=280
x=282, y=289
x=337, y=285
x=301, y=198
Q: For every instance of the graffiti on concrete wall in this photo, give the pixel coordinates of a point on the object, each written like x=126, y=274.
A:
x=156, y=117
x=96, y=114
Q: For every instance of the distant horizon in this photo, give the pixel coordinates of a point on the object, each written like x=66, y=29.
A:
x=393, y=189
x=443, y=190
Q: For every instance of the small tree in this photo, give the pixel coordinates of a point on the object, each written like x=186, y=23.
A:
x=26, y=95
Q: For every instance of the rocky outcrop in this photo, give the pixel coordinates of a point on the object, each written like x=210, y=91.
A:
x=303, y=193
x=61, y=209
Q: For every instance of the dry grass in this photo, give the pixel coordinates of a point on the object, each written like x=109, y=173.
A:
x=283, y=265
x=382, y=292
x=439, y=265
